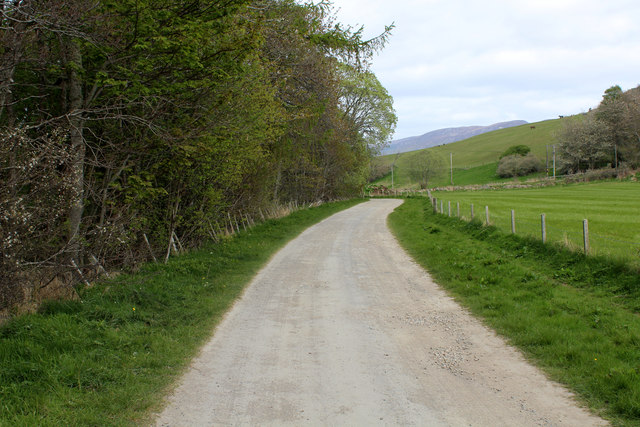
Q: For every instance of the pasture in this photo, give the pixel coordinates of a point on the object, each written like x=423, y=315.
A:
x=612, y=209
x=475, y=159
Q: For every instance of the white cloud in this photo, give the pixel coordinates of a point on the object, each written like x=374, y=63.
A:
x=456, y=63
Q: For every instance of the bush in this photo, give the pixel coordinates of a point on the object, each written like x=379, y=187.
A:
x=516, y=165
x=596, y=175
x=521, y=150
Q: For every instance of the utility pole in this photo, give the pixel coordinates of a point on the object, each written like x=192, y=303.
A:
x=393, y=165
x=451, y=166
x=392, y=176
x=547, y=169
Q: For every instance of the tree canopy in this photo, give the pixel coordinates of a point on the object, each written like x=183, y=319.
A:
x=608, y=135
x=132, y=118
x=424, y=166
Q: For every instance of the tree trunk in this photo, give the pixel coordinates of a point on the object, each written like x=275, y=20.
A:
x=12, y=43
x=276, y=186
x=76, y=122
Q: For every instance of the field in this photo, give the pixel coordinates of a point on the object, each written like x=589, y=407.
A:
x=475, y=159
x=610, y=207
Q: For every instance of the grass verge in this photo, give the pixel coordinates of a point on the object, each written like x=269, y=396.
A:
x=108, y=358
x=574, y=316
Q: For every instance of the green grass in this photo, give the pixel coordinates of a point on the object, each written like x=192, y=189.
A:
x=482, y=152
x=109, y=358
x=611, y=207
x=576, y=317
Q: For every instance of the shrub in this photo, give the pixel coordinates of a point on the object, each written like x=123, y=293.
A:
x=516, y=165
x=521, y=150
x=596, y=175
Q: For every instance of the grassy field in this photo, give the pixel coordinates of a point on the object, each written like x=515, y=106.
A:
x=475, y=159
x=576, y=317
x=109, y=358
x=611, y=207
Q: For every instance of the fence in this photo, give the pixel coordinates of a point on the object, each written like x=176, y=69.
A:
x=232, y=224
x=578, y=238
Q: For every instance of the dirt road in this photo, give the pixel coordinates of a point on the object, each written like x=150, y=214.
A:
x=342, y=328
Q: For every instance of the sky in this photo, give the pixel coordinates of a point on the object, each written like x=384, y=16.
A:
x=453, y=63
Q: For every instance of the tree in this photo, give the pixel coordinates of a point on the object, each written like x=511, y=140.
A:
x=629, y=147
x=323, y=152
x=518, y=165
x=621, y=111
x=424, y=166
x=368, y=106
x=612, y=94
x=585, y=143
x=155, y=117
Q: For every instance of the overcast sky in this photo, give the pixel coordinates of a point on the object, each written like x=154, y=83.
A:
x=456, y=63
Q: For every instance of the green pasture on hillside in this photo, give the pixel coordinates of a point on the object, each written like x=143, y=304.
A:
x=475, y=159
x=611, y=208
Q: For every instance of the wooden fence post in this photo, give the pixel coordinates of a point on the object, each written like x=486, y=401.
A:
x=513, y=221
x=458, y=206
x=146, y=240
x=543, y=226
x=98, y=266
x=471, y=210
x=486, y=212
x=85, y=281
x=441, y=207
x=231, y=223
x=585, y=234
x=166, y=257
x=449, y=203
x=176, y=240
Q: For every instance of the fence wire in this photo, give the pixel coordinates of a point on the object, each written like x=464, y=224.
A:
x=599, y=244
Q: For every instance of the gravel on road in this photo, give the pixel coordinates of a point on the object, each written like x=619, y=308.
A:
x=343, y=328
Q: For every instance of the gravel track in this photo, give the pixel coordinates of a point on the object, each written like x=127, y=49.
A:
x=343, y=328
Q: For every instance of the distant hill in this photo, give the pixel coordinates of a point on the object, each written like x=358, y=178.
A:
x=478, y=154
x=444, y=136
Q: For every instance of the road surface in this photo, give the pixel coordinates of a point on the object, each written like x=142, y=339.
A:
x=343, y=328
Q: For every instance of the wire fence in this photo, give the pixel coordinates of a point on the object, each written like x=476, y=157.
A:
x=576, y=236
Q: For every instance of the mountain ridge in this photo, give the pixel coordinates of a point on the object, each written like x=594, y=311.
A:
x=444, y=136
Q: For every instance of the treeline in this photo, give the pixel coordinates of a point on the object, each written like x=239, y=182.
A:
x=126, y=119
x=606, y=136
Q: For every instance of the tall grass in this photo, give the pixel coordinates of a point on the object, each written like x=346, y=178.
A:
x=576, y=317
x=108, y=358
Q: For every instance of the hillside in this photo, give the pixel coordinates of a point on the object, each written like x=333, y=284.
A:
x=481, y=152
x=444, y=136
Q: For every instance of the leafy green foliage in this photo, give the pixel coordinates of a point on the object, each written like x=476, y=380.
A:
x=520, y=150
x=368, y=106
x=182, y=113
